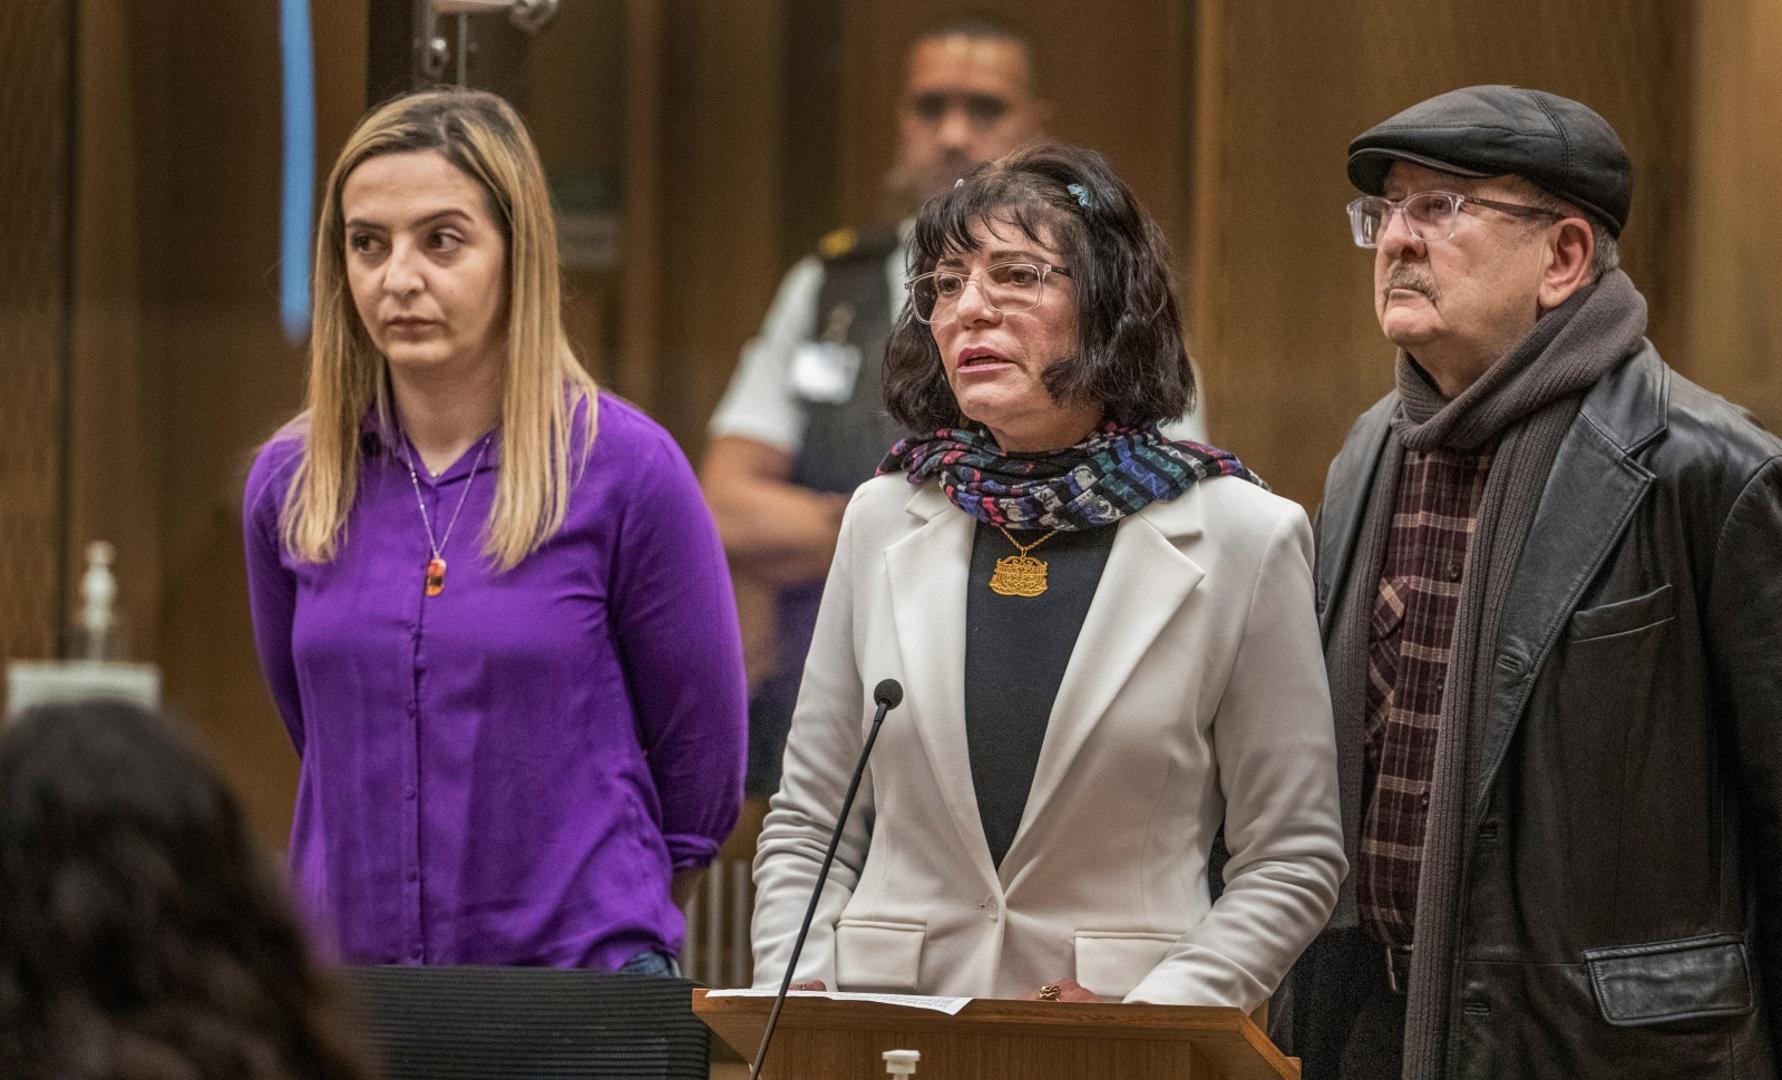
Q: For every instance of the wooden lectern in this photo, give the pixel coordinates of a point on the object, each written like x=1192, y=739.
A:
x=819, y=1039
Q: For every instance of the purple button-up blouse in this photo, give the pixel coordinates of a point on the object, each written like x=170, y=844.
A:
x=508, y=772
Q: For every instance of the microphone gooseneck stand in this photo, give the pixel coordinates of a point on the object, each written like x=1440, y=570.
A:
x=887, y=696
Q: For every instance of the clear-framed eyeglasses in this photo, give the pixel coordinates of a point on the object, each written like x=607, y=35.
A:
x=1430, y=215
x=1005, y=287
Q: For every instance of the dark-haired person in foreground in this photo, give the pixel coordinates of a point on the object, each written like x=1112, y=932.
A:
x=1106, y=639
x=142, y=937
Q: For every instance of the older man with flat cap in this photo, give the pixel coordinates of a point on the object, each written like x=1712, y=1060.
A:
x=1550, y=580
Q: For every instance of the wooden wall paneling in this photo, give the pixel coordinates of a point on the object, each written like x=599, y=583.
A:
x=720, y=201
x=228, y=378
x=640, y=295
x=1732, y=264
x=342, y=30
x=114, y=485
x=1205, y=163
x=686, y=125
x=575, y=84
x=1283, y=312
x=181, y=366
x=389, y=46
x=1182, y=118
x=234, y=375
x=575, y=90
x=722, y=210
x=814, y=73
x=1278, y=296
x=35, y=59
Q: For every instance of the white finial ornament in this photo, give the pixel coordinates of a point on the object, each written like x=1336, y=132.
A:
x=98, y=594
x=901, y=1062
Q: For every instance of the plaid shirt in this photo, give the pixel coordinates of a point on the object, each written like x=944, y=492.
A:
x=1434, y=514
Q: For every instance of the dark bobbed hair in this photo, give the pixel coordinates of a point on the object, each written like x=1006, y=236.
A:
x=1130, y=358
x=141, y=934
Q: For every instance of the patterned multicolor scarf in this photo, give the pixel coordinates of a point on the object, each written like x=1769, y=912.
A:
x=1114, y=472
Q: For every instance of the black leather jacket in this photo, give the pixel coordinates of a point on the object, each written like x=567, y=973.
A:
x=1623, y=871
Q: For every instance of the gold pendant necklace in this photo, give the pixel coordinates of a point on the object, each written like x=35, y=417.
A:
x=1022, y=574
x=433, y=580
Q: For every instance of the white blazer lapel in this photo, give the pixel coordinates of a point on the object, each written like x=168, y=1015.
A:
x=927, y=572
x=1144, y=583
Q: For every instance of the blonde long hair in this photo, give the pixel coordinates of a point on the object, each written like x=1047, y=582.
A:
x=542, y=383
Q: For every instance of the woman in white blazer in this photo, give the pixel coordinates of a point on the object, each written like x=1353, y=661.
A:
x=1107, y=643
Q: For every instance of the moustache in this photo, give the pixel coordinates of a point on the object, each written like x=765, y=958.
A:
x=1405, y=277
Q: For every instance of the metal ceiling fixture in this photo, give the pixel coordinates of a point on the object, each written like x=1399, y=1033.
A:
x=433, y=53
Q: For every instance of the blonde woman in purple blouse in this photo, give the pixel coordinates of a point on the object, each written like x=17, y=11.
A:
x=489, y=602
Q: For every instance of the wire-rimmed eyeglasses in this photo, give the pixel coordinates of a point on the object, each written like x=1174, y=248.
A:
x=1005, y=287
x=1430, y=215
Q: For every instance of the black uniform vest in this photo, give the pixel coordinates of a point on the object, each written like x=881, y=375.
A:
x=843, y=444
x=845, y=441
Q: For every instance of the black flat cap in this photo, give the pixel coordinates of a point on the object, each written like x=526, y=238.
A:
x=1561, y=146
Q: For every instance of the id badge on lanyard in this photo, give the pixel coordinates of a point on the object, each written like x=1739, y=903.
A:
x=824, y=371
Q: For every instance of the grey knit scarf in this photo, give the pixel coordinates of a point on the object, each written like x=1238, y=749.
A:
x=1526, y=401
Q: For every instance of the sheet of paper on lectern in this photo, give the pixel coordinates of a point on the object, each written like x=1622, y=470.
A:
x=948, y=1005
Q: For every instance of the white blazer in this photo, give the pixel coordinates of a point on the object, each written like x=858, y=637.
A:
x=1195, y=695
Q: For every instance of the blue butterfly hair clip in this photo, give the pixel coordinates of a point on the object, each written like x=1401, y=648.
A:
x=1081, y=193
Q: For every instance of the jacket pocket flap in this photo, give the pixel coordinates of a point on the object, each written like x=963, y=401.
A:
x=1623, y=615
x=871, y=954
x=1671, y=980
x=1111, y=963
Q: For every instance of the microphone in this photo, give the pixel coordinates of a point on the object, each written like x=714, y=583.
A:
x=887, y=696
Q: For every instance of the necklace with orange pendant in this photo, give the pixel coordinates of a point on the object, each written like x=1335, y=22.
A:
x=1020, y=574
x=433, y=581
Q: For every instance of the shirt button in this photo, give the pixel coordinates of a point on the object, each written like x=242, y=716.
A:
x=1454, y=569
x=1422, y=799
x=414, y=953
x=409, y=794
x=413, y=874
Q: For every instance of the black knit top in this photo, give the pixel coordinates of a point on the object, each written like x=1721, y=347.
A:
x=1016, y=649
